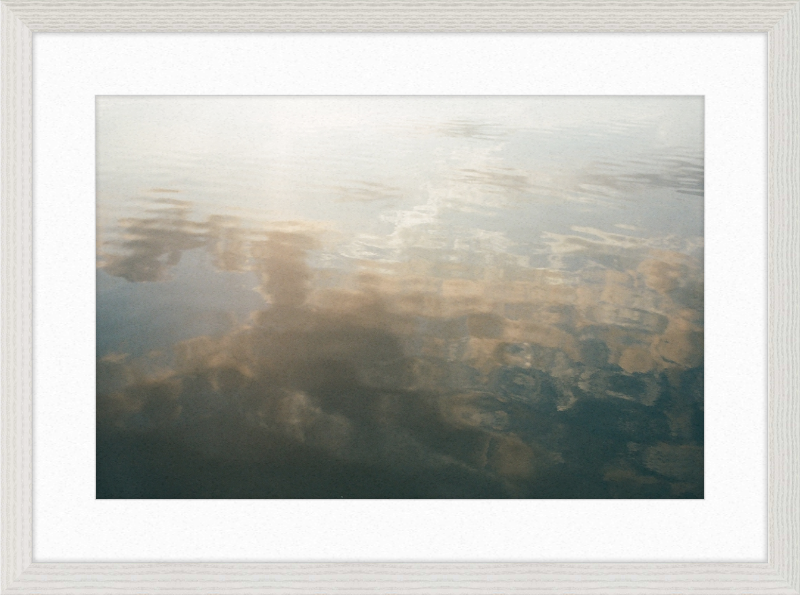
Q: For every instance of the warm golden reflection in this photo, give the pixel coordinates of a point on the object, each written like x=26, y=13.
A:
x=399, y=303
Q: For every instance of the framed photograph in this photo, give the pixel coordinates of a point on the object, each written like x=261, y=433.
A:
x=373, y=311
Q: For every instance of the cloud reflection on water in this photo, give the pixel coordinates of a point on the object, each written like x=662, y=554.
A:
x=464, y=381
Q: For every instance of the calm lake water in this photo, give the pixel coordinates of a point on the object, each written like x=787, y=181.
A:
x=400, y=297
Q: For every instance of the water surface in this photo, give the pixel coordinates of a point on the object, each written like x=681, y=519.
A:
x=399, y=297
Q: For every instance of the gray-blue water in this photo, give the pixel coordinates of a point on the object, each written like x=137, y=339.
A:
x=400, y=297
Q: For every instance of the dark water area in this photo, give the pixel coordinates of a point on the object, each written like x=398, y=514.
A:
x=400, y=297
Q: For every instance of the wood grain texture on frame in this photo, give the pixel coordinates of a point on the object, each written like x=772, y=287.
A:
x=780, y=19
x=399, y=15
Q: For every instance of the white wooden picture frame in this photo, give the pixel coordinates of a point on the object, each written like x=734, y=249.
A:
x=780, y=19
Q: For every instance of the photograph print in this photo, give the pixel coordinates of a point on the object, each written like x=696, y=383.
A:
x=399, y=297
